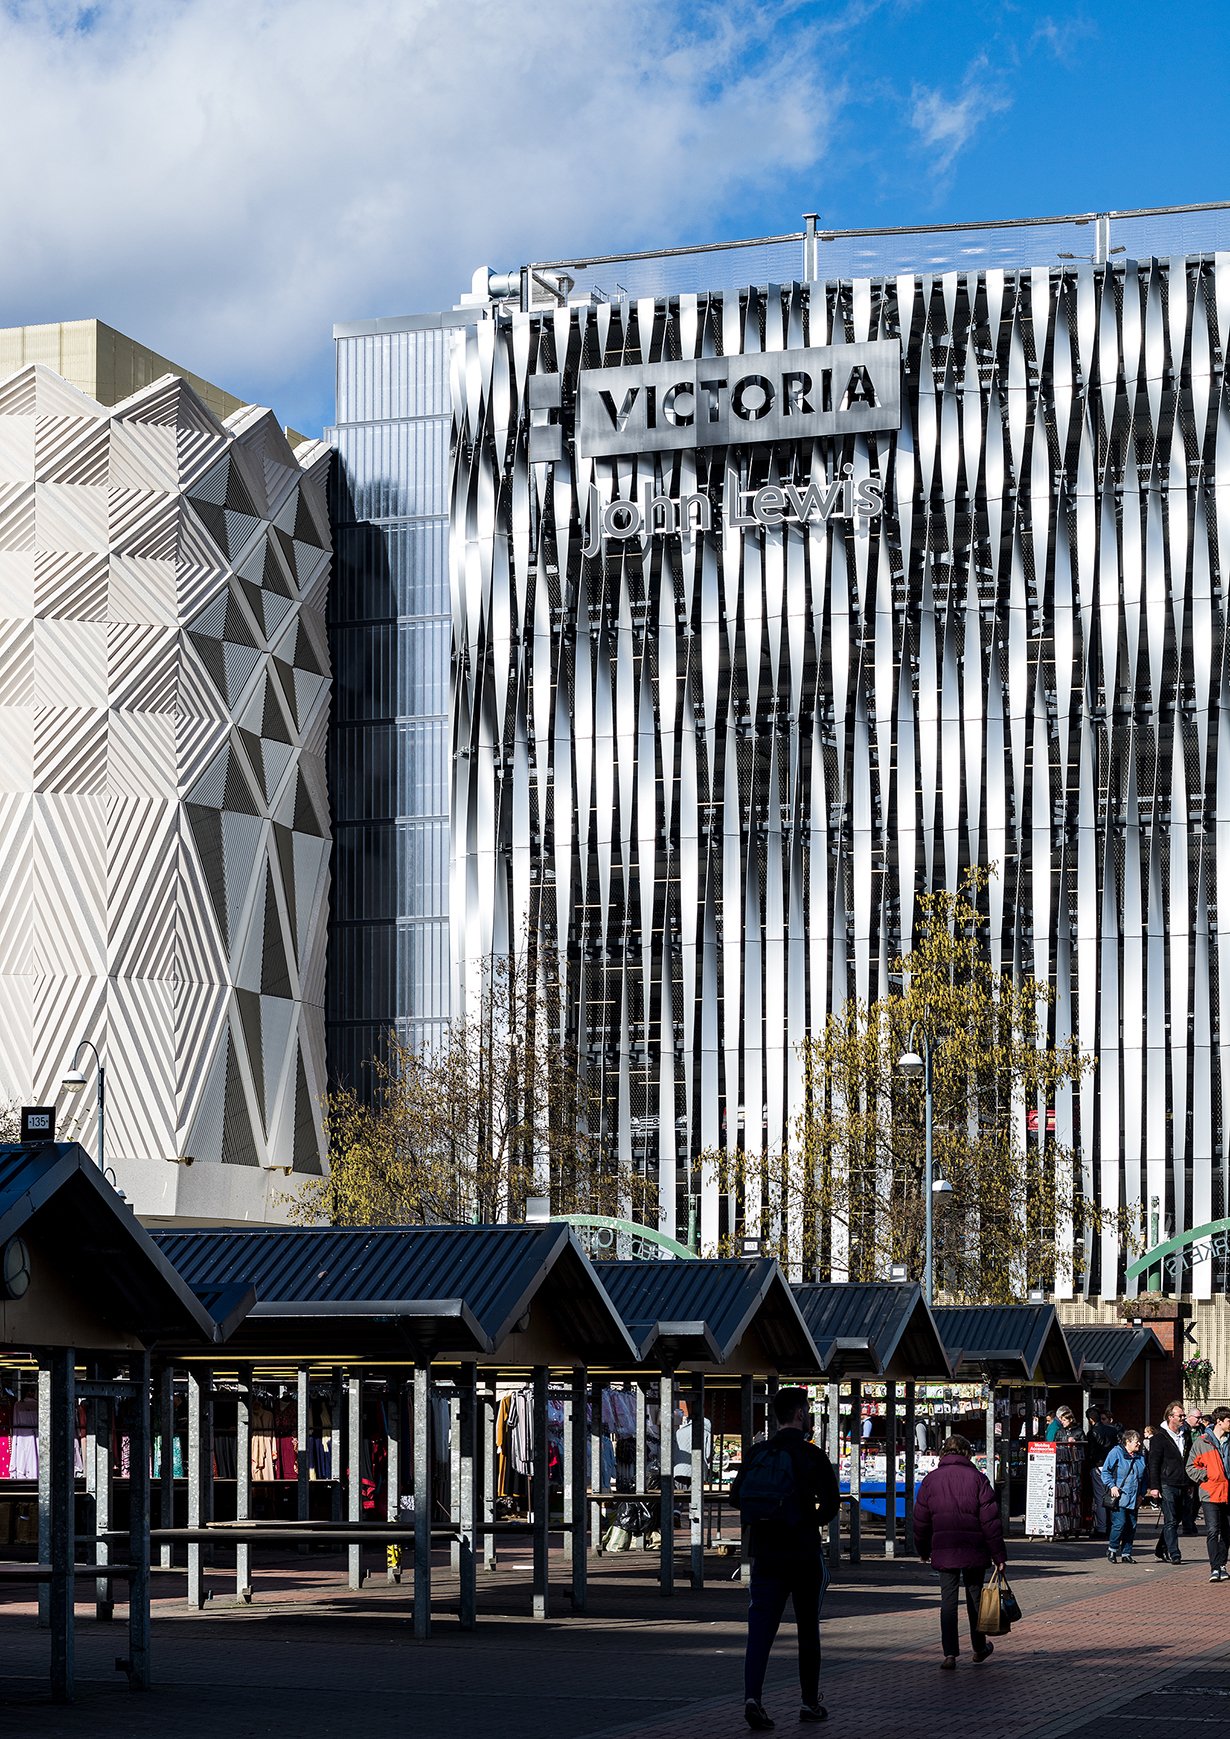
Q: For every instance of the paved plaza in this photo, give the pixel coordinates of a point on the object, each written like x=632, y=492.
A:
x=1132, y=1645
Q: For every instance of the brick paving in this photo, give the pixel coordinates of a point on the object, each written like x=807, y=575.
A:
x=1130, y=1644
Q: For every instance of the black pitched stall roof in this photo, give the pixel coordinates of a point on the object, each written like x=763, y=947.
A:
x=524, y=1292
x=1106, y=1351
x=95, y=1250
x=1000, y=1341
x=735, y=1314
x=874, y=1330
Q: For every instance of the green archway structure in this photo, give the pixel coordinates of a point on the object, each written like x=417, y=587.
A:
x=1205, y=1242
x=604, y=1222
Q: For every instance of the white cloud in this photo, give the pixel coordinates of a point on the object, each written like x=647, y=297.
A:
x=225, y=178
x=945, y=125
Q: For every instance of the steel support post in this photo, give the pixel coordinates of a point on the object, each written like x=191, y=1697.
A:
x=988, y=1400
x=200, y=1457
x=166, y=1460
x=243, y=1481
x=422, y=1501
x=911, y=1441
x=139, y=1527
x=303, y=1446
x=98, y=1483
x=835, y=1458
x=595, y=1461
x=454, y=1479
x=540, y=1497
x=890, y=1471
x=491, y=1407
x=61, y=1491
x=44, y=1484
x=467, y=1496
x=337, y=1438
x=575, y=1474
x=856, y=1471
x=642, y=1452
x=747, y=1437
x=569, y=1432
x=393, y=1460
x=354, y=1471
x=666, y=1418
x=697, y=1411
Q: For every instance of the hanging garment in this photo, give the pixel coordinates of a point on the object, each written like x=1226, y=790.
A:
x=288, y=1439
x=503, y=1445
x=521, y=1448
x=264, y=1443
x=6, y=1434
x=321, y=1439
x=23, y=1458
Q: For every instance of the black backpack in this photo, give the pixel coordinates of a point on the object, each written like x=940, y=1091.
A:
x=769, y=1492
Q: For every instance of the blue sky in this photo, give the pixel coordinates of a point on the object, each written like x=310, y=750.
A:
x=223, y=180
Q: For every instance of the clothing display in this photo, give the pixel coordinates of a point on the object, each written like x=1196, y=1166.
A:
x=23, y=1456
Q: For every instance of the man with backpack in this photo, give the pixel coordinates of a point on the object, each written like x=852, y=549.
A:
x=786, y=1491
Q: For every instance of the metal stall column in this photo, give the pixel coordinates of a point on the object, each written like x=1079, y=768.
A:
x=392, y=1473
x=696, y=1409
x=747, y=1436
x=642, y=1453
x=856, y=1470
x=575, y=1474
x=595, y=1461
x=44, y=1485
x=166, y=1460
x=303, y=1446
x=98, y=1484
x=62, y=1418
x=138, y=1663
x=422, y=1500
x=490, y=1406
x=200, y=1458
x=540, y=1496
x=354, y=1471
x=988, y=1398
x=337, y=1435
x=243, y=1482
x=454, y=1479
x=911, y=1441
x=666, y=1458
x=467, y=1495
x=568, y=1516
x=890, y=1471
x=835, y=1458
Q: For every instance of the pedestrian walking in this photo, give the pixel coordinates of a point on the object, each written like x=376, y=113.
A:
x=1208, y=1464
x=1167, y=1475
x=1123, y=1474
x=1195, y=1422
x=958, y=1530
x=785, y=1493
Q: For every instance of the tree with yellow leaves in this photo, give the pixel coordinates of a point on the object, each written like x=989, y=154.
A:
x=465, y=1130
x=848, y=1200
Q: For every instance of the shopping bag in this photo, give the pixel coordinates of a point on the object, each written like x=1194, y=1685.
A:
x=1009, y=1607
x=990, y=1621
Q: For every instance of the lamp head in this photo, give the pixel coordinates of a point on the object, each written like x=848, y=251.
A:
x=941, y=1187
x=911, y=1063
x=73, y=1081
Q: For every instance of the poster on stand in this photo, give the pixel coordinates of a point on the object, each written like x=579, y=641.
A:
x=1040, y=1491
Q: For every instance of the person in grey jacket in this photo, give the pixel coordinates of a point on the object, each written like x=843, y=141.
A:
x=1123, y=1478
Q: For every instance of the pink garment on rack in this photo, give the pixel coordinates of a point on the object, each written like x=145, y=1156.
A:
x=288, y=1439
x=23, y=1459
x=6, y=1433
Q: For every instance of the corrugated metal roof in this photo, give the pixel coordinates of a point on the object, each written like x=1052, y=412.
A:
x=1014, y=1339
x=464, y=1287
x=902, y=1333
x=56, y=1190
x=726, y=1297
x=1113, y=1347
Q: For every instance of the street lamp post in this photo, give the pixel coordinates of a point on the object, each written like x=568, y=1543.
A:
x=74, y=1081
x=913, y=1064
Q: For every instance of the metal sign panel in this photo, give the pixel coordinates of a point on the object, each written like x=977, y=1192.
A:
x=781, y=395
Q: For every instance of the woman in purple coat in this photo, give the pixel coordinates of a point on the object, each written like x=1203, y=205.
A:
x=957, y=1528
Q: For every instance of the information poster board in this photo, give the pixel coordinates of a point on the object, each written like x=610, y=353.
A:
x=1040, y=1481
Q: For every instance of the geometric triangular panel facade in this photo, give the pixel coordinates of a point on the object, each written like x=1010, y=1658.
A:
x=160, y=674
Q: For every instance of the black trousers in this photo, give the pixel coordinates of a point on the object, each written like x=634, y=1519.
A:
x=1217, y=1533
x=950, y=1590
x=802, y=1581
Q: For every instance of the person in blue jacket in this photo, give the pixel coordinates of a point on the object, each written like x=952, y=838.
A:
x=1123, y=1477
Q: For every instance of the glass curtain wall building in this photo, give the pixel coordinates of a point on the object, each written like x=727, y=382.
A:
x=389, y=632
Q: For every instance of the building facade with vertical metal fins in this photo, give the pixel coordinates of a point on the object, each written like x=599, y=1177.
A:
x=718, y=771
x=164, y=820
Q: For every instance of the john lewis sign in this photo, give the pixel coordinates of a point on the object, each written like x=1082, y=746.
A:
x=780, y=395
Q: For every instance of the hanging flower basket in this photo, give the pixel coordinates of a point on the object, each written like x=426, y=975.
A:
x=1150, y=1307
x=1197, y=1375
